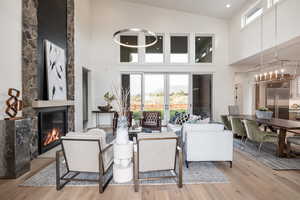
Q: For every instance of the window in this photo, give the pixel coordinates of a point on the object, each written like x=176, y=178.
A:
x=179, y=49
x=155, y=53
x=203, y=49
x=254, y=12
x=272, y=3
x=129, y=55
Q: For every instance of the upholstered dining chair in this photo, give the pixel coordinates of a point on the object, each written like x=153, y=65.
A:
x=233, y=110
x=157, y=152
x=292, y=140
x=257, y=135
x=226, y=122
x=85, y=153
x=238, y=127
x=151, y=120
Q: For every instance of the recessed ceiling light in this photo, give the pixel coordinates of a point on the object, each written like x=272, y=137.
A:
x=228, y=5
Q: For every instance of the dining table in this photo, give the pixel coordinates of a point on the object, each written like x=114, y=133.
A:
x=283, y=125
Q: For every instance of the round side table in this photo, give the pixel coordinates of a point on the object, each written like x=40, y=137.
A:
x=123, y=166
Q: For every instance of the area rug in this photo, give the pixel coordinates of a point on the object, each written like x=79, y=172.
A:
x=267, y=155
x=197, y=173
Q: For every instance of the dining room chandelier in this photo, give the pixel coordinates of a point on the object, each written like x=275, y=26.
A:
x=278, y=69
x=137, y=31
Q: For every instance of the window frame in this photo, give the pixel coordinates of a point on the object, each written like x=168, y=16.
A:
x=249, y=10
x=213, y=49
x=143, y=51
x=188, y=35
x=138, y=50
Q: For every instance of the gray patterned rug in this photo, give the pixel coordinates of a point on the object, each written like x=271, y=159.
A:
x=197, y=173
x=267, y=156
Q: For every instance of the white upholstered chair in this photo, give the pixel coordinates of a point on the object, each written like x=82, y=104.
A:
x=85, y=152
x=157, y=152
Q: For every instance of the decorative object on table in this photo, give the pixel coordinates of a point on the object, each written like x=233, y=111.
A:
x=264, y=113
x=136, y=31
x=15, y=147
x=14, y=105
x=109, y=98
x=123, y=148
x=56, y=71
x=151, y=120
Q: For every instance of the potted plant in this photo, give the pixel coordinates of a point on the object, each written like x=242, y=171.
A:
x=109, y=98
x=264, y=113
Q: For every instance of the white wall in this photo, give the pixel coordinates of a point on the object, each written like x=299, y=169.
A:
x=10, y=49
x=110, y=16
x=82, y=53
x=245, y=42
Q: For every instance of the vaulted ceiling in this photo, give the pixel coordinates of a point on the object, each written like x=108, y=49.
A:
x=212, y=8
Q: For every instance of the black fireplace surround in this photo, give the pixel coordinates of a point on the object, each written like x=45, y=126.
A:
x=52, y=124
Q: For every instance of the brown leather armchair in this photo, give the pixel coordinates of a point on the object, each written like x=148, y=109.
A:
x=151, y=120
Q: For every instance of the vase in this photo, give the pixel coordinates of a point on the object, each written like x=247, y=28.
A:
x=122, y=131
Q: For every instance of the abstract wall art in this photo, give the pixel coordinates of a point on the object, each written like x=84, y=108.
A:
x=56, y=71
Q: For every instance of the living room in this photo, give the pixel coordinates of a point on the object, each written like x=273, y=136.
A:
x=149, y=100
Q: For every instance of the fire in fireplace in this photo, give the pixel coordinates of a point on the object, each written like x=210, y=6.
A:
x=52, y=136
x=52, y=125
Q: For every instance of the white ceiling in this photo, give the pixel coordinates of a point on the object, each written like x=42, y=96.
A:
x=212, y=8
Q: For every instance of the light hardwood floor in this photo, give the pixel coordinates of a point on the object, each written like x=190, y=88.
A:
x=249, y=180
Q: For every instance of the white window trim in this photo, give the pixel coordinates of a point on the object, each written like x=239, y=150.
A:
x=213, y=48
x=244, y=15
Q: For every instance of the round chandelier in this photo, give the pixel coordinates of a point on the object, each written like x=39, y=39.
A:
x=135, y=30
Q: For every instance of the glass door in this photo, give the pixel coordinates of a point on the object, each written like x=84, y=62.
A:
x=154, y=93
x=178, y=99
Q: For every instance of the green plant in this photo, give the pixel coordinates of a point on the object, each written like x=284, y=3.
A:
x=263, y=109
x=109, y=98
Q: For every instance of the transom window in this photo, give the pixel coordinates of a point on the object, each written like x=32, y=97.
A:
x=179, y=49
x=129, y=55
x=155, y=53
x=253, y=12
x=203, y=49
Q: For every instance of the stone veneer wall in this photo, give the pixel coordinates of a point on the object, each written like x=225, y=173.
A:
x=30, y=65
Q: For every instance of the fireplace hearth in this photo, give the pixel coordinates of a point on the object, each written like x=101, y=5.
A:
x=52, y=125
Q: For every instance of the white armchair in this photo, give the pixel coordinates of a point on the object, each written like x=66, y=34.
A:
x=157, y=152
x=85, y=152
x=207, y=142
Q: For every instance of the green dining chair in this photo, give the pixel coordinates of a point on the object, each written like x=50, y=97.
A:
x=226, y=122
x=238, y=127
x=257, y=135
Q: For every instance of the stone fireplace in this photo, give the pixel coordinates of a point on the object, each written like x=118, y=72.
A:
x=39, y=25
x=52, y=124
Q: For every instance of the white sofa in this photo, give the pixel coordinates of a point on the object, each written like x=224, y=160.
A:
x=207, y=142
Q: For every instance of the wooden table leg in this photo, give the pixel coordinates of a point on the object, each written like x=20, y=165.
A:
x=281, y=143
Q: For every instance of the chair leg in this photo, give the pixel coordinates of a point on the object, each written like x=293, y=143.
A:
x=58, y=185
x=260, y=146
x=187, y=164
x=230, y=163
x=135, y=173
x=288, y=149
x=101, y=190
x=180, y=159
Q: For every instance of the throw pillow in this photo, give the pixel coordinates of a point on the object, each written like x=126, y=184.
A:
x=184, y=117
